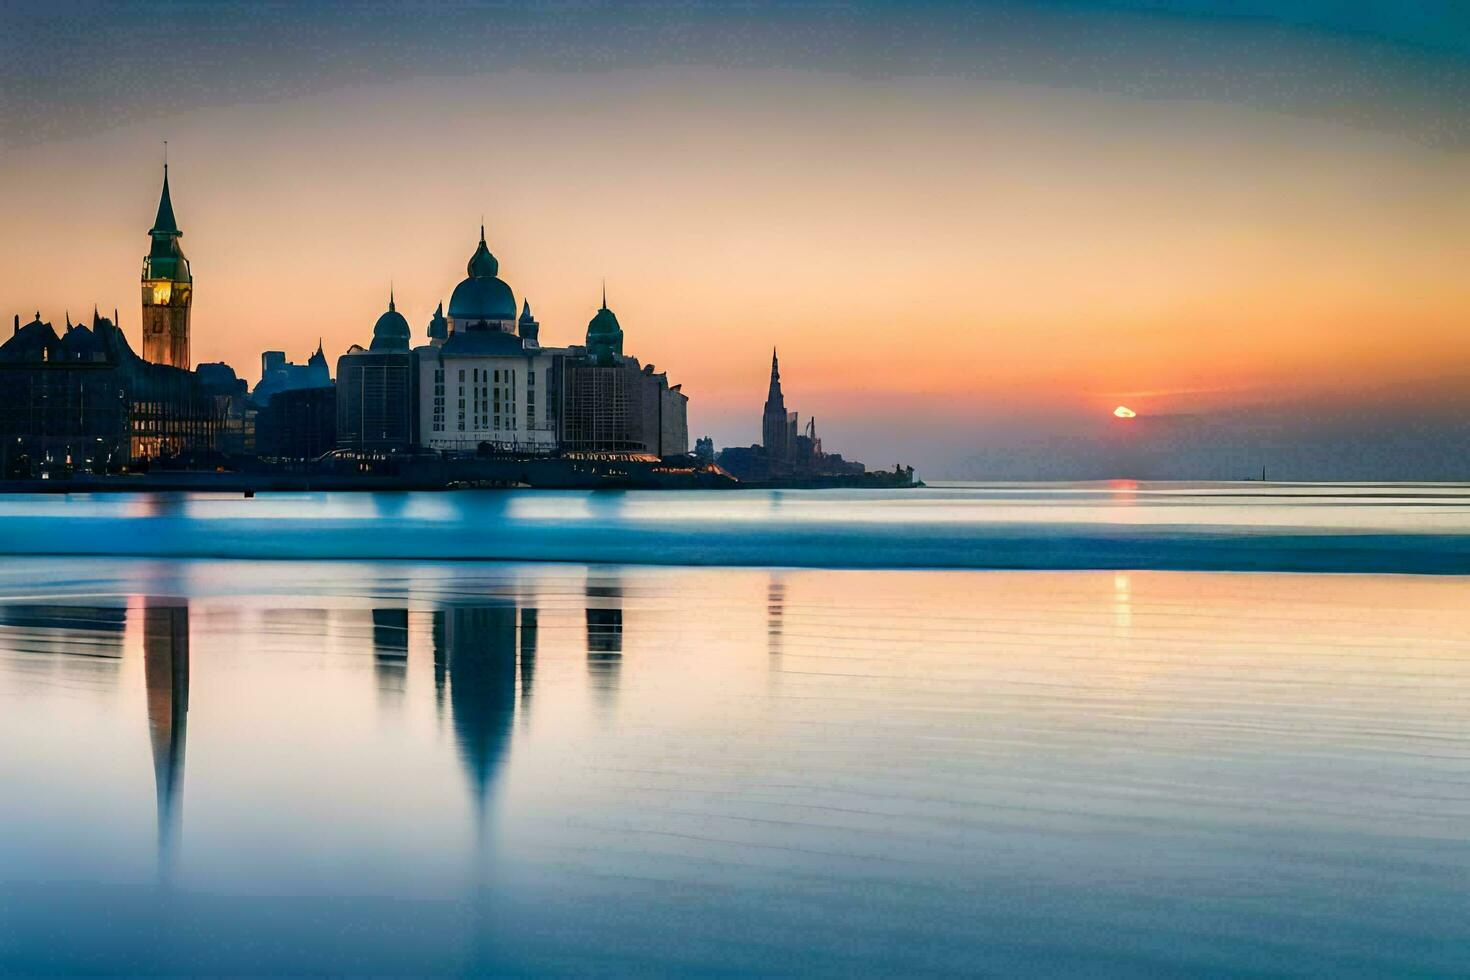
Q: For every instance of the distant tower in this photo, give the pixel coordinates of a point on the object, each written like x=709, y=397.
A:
x=528, y=327
x=438, y=327
x=168, y=289
x=775, y=428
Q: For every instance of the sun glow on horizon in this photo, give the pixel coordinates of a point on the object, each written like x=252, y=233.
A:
x=1124, y=412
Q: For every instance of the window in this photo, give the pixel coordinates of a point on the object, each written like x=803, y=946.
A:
x=461, y=375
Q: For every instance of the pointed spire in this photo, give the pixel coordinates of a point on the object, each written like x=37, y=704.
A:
x=604, y=292
x=775, y=367
x=68, y=319
x=391, y=307
x=319, y=346
x=165, y=223
x=525, y=309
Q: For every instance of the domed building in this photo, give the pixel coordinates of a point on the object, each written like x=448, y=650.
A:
x=482, y=301
x=485, y=384
x=391, y=331
x=377, y=389
x=611, y=403
x=604, y=336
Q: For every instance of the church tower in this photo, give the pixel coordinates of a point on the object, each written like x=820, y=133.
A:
x=168, y=289
x=776, y=425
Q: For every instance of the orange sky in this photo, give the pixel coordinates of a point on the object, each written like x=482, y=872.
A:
x=918, y=247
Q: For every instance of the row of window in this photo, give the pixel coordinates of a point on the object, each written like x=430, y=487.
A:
x=491, y=401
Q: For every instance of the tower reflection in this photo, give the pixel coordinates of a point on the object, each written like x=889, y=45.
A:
x=475, y=654
x=604, y=640
x=775, y=627
x=528, y=660
x=166, y=677
x=390, y=649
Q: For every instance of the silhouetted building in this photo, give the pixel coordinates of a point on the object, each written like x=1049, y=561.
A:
x=278, y=374
x=784, y=452
x=218, y=378
x=612, y=404
x=168, y=290
x=298, y=424
x=237, y=411
x=377, y=389
x=84, y=401
x=778, y=428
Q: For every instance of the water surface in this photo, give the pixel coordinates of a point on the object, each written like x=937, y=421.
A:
x=391, y=766
x=1222, y=526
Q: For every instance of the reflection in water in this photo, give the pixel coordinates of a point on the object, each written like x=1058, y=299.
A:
x=775, y=620
x=390, y=649
x=1122, y=602
x=166, y=676
x=604, y=640
x=528, y=660
x=78, y=631
x=475, y=653
x=1058, y=773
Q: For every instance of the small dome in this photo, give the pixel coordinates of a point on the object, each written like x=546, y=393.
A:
x=482, y=264
x=482, y=296
x=604, y=324
x=604, y=337
x=391, y=331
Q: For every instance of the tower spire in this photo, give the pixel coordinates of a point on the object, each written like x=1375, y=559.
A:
x=604, y=292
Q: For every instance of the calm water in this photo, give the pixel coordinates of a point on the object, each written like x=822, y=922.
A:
x=1222, y=526
x=385, y=766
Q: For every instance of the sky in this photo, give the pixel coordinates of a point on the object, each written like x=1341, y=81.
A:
x=972, y=230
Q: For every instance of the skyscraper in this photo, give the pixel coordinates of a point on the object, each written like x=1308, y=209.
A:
x=168, y=289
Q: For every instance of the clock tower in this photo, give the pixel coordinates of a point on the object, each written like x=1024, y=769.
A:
x=168, y=289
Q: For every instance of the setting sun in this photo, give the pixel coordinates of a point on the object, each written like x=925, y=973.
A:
x=1124, y=412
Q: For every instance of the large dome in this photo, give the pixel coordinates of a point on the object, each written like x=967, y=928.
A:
x=482, y=296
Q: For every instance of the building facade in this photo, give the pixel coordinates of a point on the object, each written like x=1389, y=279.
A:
x=486, y=384
x=612, y=404
x=298, y=425
x=377, y=390
x=83, y=401
x=168, y=290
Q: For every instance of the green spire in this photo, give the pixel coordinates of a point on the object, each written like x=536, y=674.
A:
x=165, y=223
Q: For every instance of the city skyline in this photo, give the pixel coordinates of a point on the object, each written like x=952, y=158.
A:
x=967, y=260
